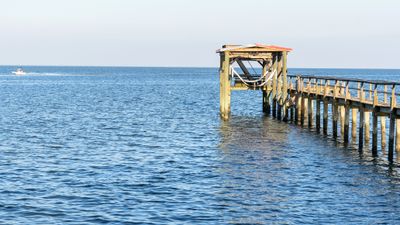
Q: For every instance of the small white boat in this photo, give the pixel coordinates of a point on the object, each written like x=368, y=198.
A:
x=19, y=71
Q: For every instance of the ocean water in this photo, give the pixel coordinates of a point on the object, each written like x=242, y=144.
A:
x=108, y=145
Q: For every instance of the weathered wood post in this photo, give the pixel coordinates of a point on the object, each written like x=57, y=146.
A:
x=367, y=118
x=335, y=110
x=383, y=122
x=279, y=89
x=325, y=116
x=375, y=123
x=297, y=99
x=361, y=123
x=284, y=86
x=318, y=108
x=347, y=115
x=225, y=86
x=367, y=122
x=302, y=101
x=266, y=104
x=398, y=139
x=274, y=84
x=354, y=124
x=392, y=123
x=310, y=105
x=342, y=109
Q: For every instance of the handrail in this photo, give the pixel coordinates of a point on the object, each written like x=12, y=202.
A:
x=379, y=82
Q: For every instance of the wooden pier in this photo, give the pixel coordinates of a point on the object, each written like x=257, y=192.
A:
x=358, y=107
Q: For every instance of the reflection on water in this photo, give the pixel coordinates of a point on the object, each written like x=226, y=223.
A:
x=286, y=174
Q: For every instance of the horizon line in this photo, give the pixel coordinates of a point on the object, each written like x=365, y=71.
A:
x=199, y=67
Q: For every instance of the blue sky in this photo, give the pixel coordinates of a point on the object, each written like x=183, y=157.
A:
x=334, y=34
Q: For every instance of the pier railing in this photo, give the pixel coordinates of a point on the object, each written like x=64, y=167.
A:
x=340, y=98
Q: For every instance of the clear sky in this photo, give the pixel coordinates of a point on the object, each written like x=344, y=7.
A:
x=323, y=33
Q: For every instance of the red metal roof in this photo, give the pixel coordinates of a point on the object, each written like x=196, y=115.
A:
x=254, y=47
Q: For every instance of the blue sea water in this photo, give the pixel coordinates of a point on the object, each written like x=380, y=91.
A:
x=110, y=145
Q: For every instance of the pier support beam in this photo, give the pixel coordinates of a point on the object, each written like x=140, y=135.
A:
x=225, y=87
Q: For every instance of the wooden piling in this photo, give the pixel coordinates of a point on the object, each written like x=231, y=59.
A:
x=383, y=133
x=367, y=122
x=318, y=114
x=374, y=134
x=302, y=109
x=342, y=117
x=274, y=84
x=354, y=123
x=361, y=125
x=383, y=121
x=325, y=118
x=325, y=114
x=392, y=124
x=284, y=85
x=310, y=111
x=225, y=87
x=398, y=138
x=266, y=103
x=346, y=123
x=335, y=111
